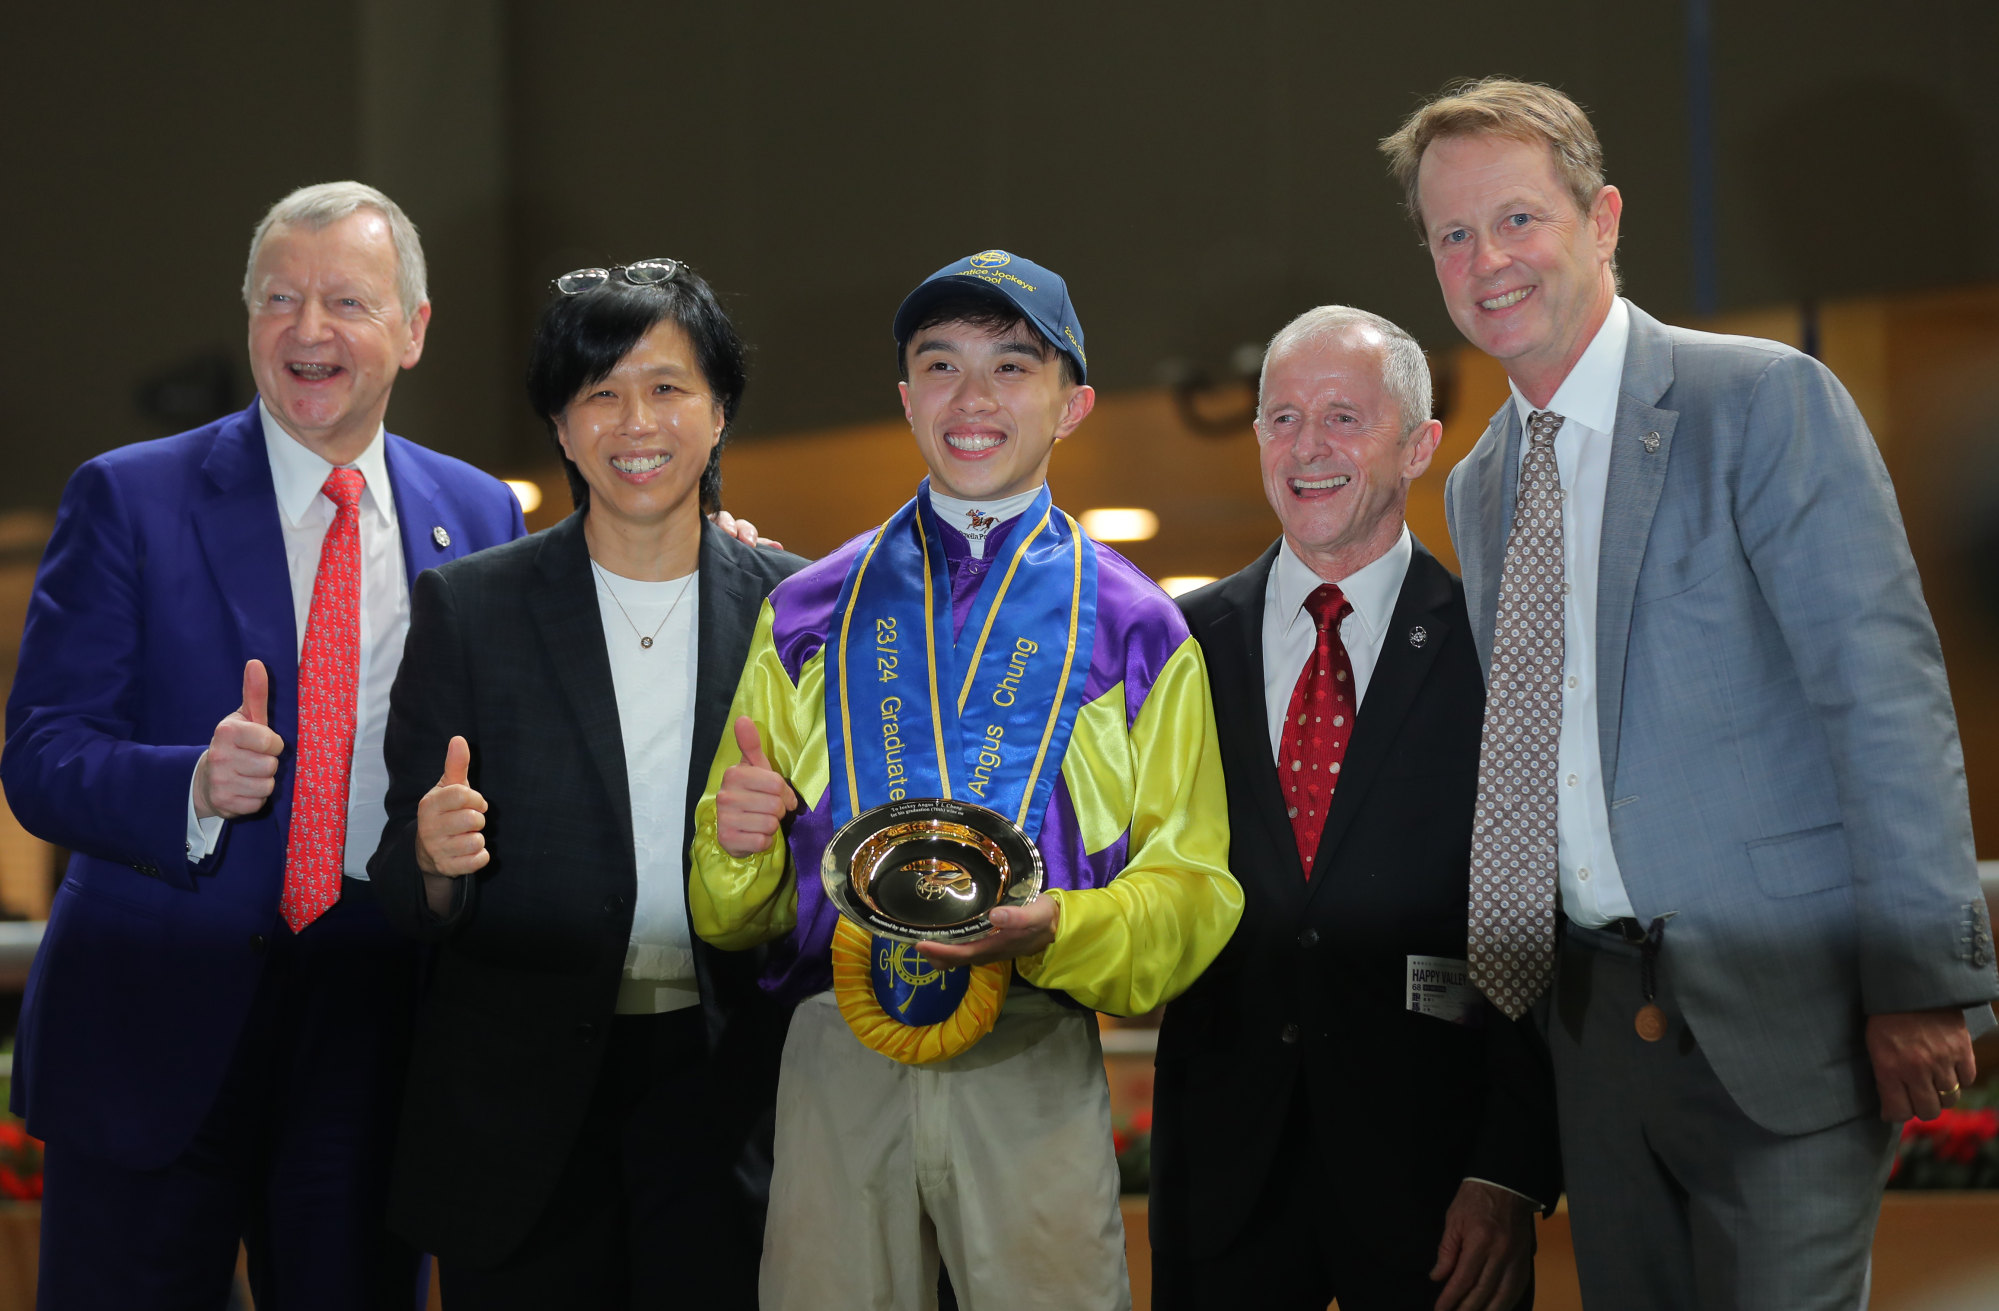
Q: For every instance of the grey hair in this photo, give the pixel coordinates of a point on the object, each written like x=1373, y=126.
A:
x=326, y=203
x=1405, y=371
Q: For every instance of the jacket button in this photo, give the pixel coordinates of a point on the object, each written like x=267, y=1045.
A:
x=1290, y=1033
x=615, y=902
x=586, y=1030
x=257, y=943
x=1309, y=938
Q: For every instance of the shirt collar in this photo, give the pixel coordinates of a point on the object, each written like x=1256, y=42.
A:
x=1589, y=394
x=1371, y=590
x=298, y=472
x=989, y=520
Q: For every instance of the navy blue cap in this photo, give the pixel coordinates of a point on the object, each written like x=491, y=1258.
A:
x=1041, y=297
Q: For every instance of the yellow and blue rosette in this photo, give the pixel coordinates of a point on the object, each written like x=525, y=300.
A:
x=902, y=1005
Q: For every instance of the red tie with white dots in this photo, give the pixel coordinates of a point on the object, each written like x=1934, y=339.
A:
x=1318, y=725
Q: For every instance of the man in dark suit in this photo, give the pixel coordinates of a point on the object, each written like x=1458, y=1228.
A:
x=214, y=1032
x=590, y=1102
x=1338, y=1113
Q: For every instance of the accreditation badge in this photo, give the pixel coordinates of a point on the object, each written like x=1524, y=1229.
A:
x=946, y=748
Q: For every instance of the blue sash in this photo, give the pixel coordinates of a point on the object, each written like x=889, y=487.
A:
x=984, y=717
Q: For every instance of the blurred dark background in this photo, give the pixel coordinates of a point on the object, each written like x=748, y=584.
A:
x=1199, y=172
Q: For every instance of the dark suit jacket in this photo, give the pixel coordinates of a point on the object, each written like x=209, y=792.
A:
x=165, y=574
x=1310, y=990
x=507, y=648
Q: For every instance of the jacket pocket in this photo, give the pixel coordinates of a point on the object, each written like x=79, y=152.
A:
x=1793, y=864
x=1659, y=579
x=95, y=888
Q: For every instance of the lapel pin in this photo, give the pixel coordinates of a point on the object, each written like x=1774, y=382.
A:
x=1418, y=635
x=1651, y=440
x=439, y=536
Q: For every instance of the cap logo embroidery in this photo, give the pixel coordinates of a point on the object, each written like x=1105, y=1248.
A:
x=1071, y=335
x=997, y=278
x=989, y=259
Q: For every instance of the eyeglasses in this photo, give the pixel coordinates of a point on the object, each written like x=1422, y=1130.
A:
x=645, y=273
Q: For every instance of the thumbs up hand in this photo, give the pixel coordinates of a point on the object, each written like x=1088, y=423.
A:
x=235, y=776
x=451, y=819
x=754, y=799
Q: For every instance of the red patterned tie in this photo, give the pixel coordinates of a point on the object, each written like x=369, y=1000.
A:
x=1317, y=727
x=327, y=675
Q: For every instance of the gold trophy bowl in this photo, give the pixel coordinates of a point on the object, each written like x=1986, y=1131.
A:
x=929, y=869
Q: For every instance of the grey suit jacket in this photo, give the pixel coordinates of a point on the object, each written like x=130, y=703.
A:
x=1780, y=756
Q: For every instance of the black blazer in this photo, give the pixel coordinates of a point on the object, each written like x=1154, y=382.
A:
x=507, y=648
x=1403, y=1106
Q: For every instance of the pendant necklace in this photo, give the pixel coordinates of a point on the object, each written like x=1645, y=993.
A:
x=644, y=640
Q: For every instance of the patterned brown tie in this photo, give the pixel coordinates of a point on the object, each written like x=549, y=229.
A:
x=1513, y=875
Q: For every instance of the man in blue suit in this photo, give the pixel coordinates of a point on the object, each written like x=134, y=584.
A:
x=1722, y=845
x=215, y=1032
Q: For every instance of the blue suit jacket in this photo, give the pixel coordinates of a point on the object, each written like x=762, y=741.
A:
x=165, y=573
x=1780, y=756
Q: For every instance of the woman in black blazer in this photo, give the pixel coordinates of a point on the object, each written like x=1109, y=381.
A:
x=587, y=1121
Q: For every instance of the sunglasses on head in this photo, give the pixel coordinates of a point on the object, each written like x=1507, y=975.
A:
x=644, y=273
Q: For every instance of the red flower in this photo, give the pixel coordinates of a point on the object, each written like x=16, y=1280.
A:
x=1954, y=1136
x=1964, y=1133
x=1120, y=1142
x=1142, y=1121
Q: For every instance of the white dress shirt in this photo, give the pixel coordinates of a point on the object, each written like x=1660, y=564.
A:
x=654, y=687
x=304, y=514
x=1289, y=635
x=1592, y=889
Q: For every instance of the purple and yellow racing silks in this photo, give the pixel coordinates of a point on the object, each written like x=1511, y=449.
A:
x=1113, y=768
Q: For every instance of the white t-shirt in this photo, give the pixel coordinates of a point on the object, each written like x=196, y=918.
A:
x=654, y=687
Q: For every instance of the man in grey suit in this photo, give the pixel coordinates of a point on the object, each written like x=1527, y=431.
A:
x=1722, y=847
